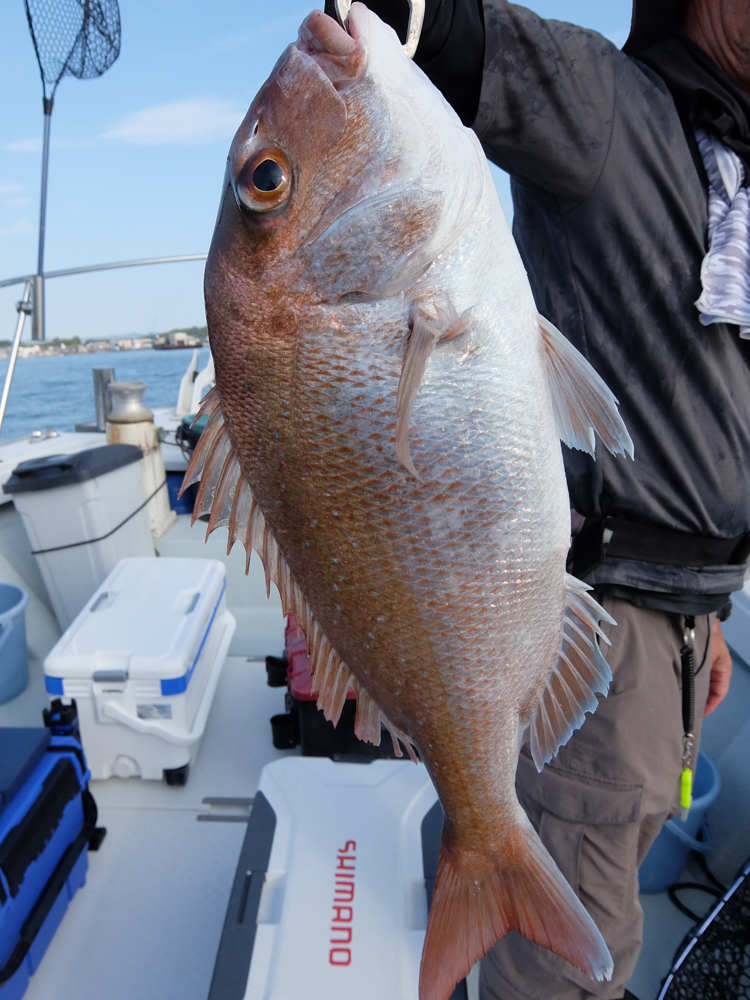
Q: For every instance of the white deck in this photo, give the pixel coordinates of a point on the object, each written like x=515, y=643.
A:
x=148, y=921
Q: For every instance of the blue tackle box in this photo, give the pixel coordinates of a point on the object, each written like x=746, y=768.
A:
x=47, y=822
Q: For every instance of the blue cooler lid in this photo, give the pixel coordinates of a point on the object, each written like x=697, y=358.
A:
x=20, y=752
x=52, y=471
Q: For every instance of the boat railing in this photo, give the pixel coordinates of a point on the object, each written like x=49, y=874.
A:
x=32, y=294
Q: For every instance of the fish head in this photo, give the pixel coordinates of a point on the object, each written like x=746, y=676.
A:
x=343, y=182
x=334, y=183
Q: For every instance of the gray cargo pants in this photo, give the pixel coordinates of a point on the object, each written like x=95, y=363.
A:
x=601, y=802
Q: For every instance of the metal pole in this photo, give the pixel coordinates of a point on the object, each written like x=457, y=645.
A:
x=37, y=326
x=24, y=307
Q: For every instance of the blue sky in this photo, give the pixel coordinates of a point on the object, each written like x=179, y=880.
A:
x=137, y=155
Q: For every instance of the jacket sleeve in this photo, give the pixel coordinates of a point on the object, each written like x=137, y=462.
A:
x=546, y=106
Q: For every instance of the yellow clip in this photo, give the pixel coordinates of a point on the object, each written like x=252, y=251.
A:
x=686, y=791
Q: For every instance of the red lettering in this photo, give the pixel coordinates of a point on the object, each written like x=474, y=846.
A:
x=344, y=892
x=343, y=915
x=340, y=956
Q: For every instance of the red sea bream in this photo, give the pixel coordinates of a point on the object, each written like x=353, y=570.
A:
x=385, y=431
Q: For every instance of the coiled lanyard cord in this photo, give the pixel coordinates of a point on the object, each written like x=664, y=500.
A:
x=687, y=660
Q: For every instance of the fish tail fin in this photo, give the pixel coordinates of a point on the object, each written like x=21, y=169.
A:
x=524, y=891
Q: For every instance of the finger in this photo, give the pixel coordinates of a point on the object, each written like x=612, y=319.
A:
x=718, y=688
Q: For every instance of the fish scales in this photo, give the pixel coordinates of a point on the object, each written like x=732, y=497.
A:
x=385, y=431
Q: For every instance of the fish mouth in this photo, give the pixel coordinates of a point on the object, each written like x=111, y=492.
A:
x=339, y=51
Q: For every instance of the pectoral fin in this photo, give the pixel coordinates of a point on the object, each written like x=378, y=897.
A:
x=430, y=325
x=583, y=403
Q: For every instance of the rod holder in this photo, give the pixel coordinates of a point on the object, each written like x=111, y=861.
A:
x=37, y=311
x=102, y=379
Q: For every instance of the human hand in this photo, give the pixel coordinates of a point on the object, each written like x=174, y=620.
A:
x=438, y=16
x=450, y=49
x=721, y=669
x=393, y=12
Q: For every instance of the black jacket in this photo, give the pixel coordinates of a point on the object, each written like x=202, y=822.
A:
x=610, y=218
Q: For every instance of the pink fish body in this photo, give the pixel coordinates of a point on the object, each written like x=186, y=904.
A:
x=385, y=431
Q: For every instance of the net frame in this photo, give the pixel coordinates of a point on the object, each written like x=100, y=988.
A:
x=79, y=38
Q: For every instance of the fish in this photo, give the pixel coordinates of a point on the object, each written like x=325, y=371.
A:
x=385, y=433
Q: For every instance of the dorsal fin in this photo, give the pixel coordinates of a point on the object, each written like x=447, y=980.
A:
x=581, y=673
x=582, y=401
x=225, y=495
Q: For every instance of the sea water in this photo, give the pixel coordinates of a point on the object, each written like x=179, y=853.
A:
x=58, y=392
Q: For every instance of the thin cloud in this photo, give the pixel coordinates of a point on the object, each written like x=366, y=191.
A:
x=15, y=204
x=57, y=142
x=23, y=146
x=287, y=24
x=11, y=190
x=19, y=228
x=186, y=122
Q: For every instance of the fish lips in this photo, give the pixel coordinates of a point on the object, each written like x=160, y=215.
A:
x=340, y=52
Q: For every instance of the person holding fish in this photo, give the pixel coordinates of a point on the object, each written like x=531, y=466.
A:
x=632, y=215
x=385, y=432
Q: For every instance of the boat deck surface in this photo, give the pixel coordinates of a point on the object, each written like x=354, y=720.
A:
x=149, y=919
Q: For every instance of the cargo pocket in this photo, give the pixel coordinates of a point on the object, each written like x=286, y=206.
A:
x=591, y=828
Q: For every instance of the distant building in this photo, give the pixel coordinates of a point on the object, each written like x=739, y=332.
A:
x=174, y=339
x=133, y=343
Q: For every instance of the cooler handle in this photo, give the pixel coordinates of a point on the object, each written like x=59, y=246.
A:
x=114, y=710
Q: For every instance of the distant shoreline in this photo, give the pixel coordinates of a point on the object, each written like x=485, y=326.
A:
x=173, y=341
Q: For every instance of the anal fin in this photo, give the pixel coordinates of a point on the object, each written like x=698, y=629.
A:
x=581, y=673
x=226, y=496
x=332, y=680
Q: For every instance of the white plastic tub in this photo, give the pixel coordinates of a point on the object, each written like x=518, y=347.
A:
x=82, y=513
x=142, y=660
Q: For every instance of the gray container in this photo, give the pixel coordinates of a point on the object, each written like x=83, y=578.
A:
x=82, y=514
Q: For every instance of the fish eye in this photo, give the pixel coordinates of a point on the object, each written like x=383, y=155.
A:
x=268, y=176
x=264, y=183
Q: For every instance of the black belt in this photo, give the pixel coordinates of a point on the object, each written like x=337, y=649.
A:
x=614, y=537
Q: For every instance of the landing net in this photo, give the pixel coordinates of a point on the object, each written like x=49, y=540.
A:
x=713, y=960
x=78, y=38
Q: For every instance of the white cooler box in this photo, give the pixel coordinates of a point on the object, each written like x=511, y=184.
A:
x=142, y=660
x=331, y=892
